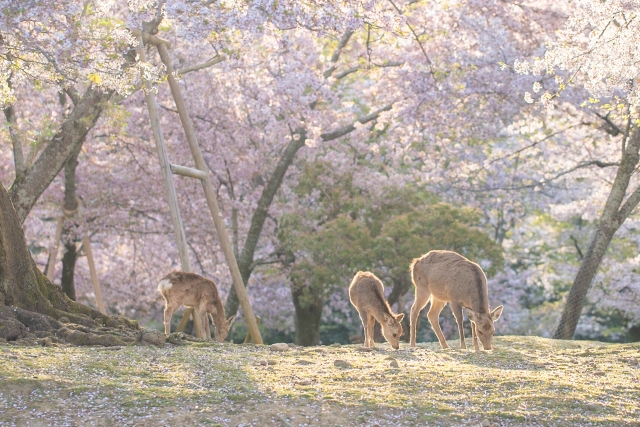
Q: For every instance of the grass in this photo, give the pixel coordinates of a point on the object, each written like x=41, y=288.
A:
x=525, y=381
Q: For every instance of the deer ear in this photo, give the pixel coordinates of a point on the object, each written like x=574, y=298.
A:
x=495, y=314
x=230, y=320
x=399, y=317
x=471, y=315
x=388, y=320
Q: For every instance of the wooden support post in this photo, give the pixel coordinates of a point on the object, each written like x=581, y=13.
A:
x=210, y=195
x=190, y=172
x=94, y=275
x=185, y=319
x=247, y=339
x=53, y=251
x=149, y=38
x=166, y=174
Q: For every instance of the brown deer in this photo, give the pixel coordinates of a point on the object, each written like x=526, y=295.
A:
x=445, y=276
x=179, y=288
x=366, y=293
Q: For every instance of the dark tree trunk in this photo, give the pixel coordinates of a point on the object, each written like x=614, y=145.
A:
x=24, y=286
x=69, y=236
x=245, y=261
x=614, y=214
x=308, y=303
x=68, y=270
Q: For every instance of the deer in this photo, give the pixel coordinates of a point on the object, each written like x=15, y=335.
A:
x=191, y=290
x=366, y=293
x=446, y=276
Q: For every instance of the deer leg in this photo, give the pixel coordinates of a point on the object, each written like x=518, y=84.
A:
x=197, y=323
x=434, y=313
x=371, y=322
x=474, y=336
x=363, y=319
x=169, y=309
x=456, y=308
x=204, y=322
x=422, y=297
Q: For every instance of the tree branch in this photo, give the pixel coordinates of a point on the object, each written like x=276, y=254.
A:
x=614, y=129
x=575, y=243
x=216, y=60
x=336, y=54
x=415, y=36
x=14, y=134
x=628, y=206
x=350, y=128
x=25, y=192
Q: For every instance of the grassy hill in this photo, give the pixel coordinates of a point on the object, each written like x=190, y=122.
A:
x=525, y=381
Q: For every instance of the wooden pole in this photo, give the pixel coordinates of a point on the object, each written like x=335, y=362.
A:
x=53, y=251
x=210, y=195
x=247, y=339
x=94, y=276
x=167, y=176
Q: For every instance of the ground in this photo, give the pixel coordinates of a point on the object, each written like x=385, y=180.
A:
x=525, y=381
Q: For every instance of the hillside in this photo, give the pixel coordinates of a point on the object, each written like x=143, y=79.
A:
x=526, y=381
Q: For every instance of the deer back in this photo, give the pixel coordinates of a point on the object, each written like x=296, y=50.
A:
x=189, y=289
x=452, y=277
x=366, y=292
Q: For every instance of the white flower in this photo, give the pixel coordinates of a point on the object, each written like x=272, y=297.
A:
x=536, y=87
x=527, y=98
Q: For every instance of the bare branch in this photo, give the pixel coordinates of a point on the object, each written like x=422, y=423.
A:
x=533, y=144
x=336, y=55
x=629, y=205
x=347, y=72
x=613, y=129
x=415, y=36
x=546, y=181
x=575, y=243
x=18, y=154
x=350, y=128
x=216, y=60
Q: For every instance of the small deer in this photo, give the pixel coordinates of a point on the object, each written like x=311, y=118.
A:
x=191, y=290
x=445, y=276
x=366, y=293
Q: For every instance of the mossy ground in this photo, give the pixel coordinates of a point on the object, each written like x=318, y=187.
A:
x=525, y=381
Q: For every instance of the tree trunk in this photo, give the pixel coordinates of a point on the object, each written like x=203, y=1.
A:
x=613, y=216
x=68, y=270
x=308, y=303
x=245, y=262
x=27, y=188
x=23, y=285
x=69, y=236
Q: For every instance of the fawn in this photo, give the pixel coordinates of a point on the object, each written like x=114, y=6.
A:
x=366, y=293
x=179, y=288
x=445, y=276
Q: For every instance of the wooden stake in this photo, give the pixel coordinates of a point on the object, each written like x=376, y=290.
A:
x=185, y=319
x=210, y=195
x=94, y=276
x=53, y=251
x=248, y=337
x=166, y=174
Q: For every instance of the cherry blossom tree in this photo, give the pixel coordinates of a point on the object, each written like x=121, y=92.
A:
x=596, y=50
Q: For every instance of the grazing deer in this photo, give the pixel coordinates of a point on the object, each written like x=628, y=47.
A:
x=366, y=293
x=445, y=276
x=179, y=288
